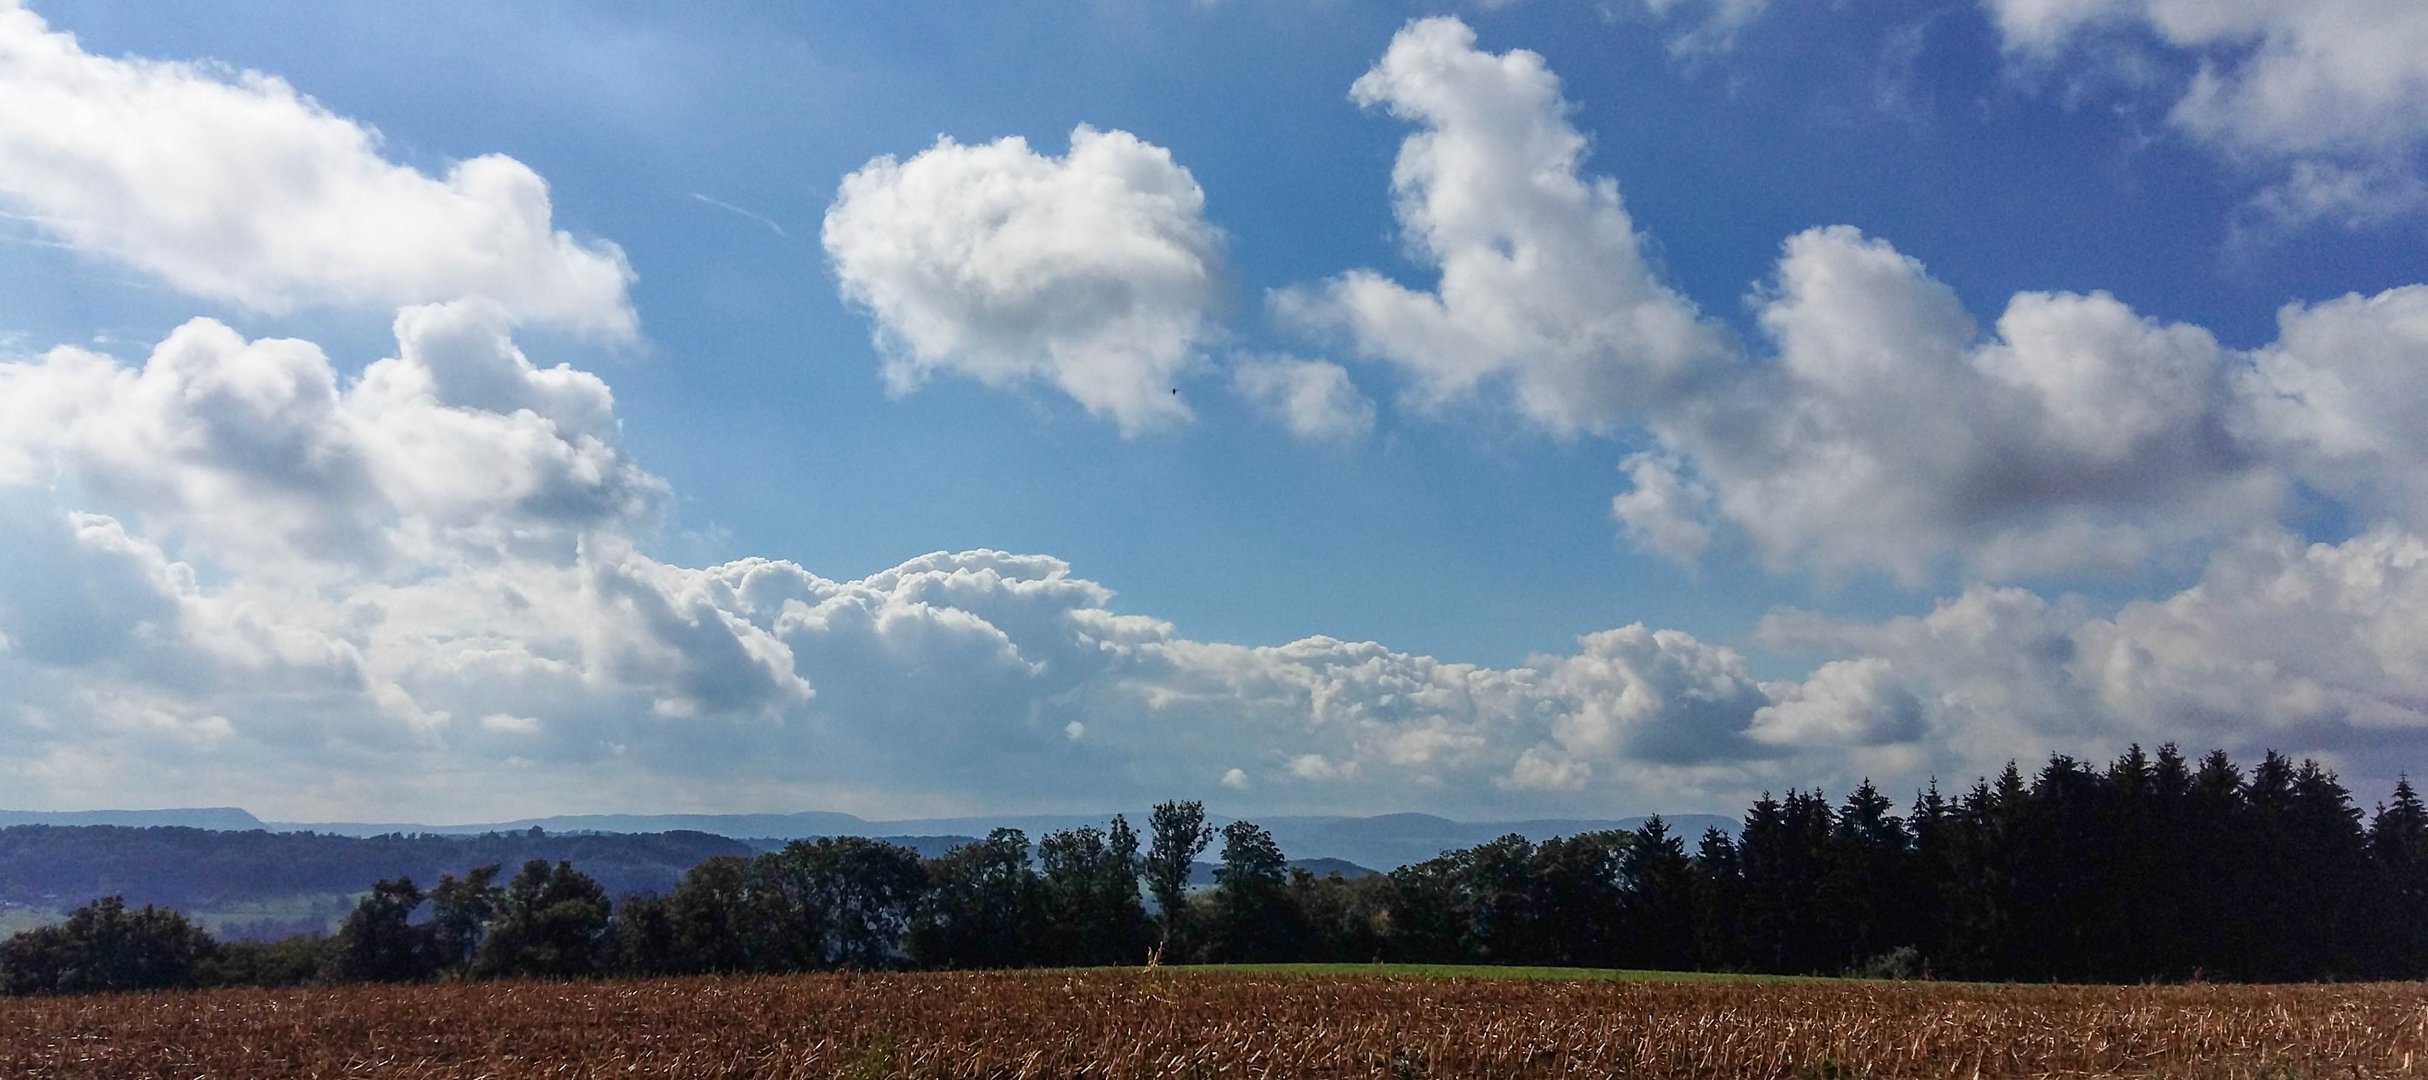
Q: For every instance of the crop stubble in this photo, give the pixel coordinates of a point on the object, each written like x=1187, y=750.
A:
x=1121, y=1024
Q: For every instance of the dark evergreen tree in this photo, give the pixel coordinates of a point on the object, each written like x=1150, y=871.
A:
x=1866, y=886
x=2166, y=875
x=1935, y=881
x=1765, y=906
x=1719, y=886
x=2213, y=837
x=2327, y=860
x=2271, y=903
x=2063, y=854
x=1656, y=900
x=2398, y=848
x=1785, y=849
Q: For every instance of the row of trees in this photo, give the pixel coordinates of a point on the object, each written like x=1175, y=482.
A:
x=2152, y=868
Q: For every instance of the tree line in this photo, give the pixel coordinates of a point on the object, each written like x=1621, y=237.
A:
x=2152, y=868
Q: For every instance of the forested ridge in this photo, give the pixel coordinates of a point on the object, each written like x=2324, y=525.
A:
x=179, y=867
x=2151, y=868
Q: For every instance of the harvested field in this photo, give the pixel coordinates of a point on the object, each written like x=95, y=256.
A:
x=1127, y=1024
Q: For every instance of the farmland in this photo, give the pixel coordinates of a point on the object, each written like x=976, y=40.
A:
x=1105, y=1023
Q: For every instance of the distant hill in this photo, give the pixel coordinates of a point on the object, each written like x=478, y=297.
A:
x=1202, y=873
x=1394, y=840
x=776, y=826
x=289, y=881
x=927, y=847
x=1382, y=842
x=227, y=818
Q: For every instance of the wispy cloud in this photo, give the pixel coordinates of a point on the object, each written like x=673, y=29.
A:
x=771, y=223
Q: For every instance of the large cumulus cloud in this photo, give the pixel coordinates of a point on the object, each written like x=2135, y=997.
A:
x=1543, y=288
x=231, y=185
x=255, y=454
x=1889, y=433
x=433, y=575
x=1093, y=272
x=494, y=651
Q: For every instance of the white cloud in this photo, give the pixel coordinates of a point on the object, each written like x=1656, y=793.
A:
x=1887, y=435
x=1650, y=695
x=231, y=185
x=1713, y=27
x=1313, y=398
x=2353, y=197
x=238, y=576
x=2275, y=78
x=487, y=615
x=2340, y=394
x=1092, y=272
x=1844, y=703
x=254, y=453
x=1663, y=511
x=2311, y=649
x=510, y=724
x=1542, y=284
x=544, y=662
x=1883, y=430
x=2337, y=88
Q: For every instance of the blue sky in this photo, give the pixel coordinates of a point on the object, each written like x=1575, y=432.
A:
x=1973, y=380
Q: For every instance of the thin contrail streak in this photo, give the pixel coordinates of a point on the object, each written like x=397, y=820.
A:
x=760, y=218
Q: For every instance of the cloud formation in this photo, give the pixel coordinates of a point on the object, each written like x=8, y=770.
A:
x=1313, y=398
x=2281, y=644
x=2336, y=88
x=506, y=644
x=1711, y=25
x=1889, y=434
x=232, y=186
x=428, y=577
x=1543, y=288
x=240, y=574
x=255, y=455
x=1093, y=272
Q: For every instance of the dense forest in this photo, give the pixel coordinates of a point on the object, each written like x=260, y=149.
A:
x=2153, y=868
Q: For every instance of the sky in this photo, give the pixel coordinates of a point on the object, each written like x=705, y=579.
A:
x=1515, y=409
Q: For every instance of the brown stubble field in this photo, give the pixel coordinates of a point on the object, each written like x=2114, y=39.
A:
x=1165, y=1024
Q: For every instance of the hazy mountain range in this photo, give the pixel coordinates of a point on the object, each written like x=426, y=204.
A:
x=1381, y=842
